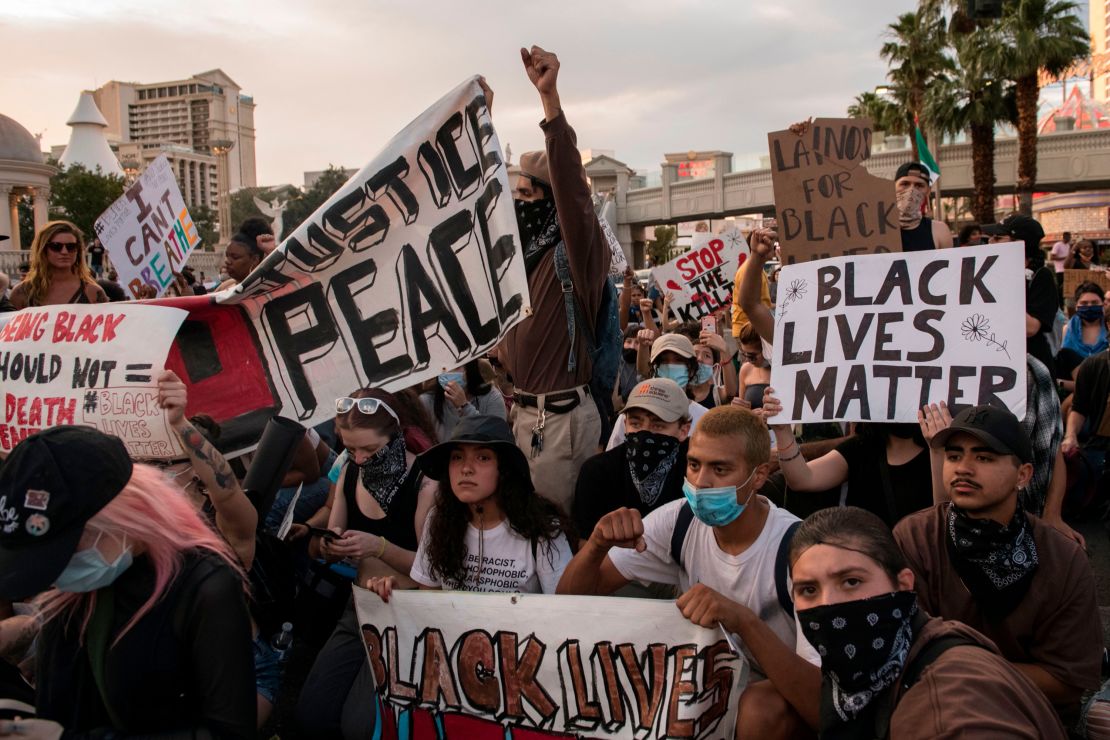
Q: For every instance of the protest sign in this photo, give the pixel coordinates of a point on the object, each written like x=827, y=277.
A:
x=498, y=666
x=413, y=266
x=701, y=279
x=148, y=232
x=827, y=203
x=606, y=209
x=89, y=365
x=875, y=338
x=1074, y=278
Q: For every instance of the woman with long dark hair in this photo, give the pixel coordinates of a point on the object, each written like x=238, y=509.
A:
x=489, y=531
x=146, y=631
x=58, y=271
x=458, y=394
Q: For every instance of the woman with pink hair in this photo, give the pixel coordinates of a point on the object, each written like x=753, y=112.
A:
x=145, y=630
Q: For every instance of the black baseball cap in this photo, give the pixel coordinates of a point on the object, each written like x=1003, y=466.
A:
x=1019, y=226
x=995, y=427
x=51, y=485
x=487, y=431
x=915, y=168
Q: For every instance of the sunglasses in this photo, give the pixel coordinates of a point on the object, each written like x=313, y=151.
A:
x=59, y=246
x=365, y=405
x=749, y=356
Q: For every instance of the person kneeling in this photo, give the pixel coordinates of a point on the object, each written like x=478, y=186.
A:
x=887, y=669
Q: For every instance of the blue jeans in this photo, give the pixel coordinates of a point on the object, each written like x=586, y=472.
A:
x=313, y=496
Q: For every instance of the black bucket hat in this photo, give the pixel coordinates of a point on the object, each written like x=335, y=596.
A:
x=51, y=485
x=487, y=431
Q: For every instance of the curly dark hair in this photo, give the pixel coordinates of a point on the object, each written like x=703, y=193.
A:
x=534, y=518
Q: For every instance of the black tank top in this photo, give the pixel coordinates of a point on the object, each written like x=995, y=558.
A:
x=399, y=525
x=753, y=394
x=919, y=239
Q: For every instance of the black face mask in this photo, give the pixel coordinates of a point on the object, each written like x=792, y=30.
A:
x=650, y=457
x=629, y=356
x=385, y=471
x=863, y=646
x=996, y=563
x=539, y=229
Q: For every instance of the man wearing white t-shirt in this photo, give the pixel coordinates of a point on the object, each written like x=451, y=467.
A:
x=726, y=567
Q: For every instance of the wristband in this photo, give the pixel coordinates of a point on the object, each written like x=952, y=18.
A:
x=381, y=551
x=796, y=454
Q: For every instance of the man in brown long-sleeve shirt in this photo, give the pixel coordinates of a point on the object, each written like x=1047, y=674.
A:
x=555, y=421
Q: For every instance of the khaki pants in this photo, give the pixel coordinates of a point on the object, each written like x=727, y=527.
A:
x=568, y=441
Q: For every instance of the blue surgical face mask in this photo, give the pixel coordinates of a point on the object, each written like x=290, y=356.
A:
x=1090, y=314
x=446, y=378
x=705, y=374
x=716, y=507
x=88, y=570
x=678, y=373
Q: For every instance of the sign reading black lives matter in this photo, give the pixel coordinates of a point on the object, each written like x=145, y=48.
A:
x=875, y=338
x=496, y=666
x=411, y=267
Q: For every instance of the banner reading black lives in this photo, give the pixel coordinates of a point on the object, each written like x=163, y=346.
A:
x=875, y=337
x=529, y=666
x=410, y=268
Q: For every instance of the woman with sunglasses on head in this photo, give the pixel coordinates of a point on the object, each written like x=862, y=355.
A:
x=489, y=530
x=381, y=502
x=58, y=271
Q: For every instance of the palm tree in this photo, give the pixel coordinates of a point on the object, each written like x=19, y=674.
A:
x=1038, y=34
x=885, y=115
x=973, y=98
x=917, y=60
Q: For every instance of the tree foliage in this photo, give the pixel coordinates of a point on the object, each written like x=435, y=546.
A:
x=80, y=196
x=662, y=248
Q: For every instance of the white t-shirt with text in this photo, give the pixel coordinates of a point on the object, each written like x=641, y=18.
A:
x=507, y=564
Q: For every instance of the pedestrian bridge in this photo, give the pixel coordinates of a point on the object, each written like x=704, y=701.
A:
x=1066, y=161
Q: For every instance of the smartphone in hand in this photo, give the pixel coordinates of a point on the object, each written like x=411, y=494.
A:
x=709, y=324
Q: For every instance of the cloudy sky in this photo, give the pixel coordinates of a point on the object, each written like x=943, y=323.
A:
x=335, y=79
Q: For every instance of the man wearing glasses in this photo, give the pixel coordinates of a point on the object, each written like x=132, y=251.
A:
x=555, y=421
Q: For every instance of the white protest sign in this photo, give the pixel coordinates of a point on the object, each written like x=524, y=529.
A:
x=498, y=666
x=701, y=279
x=876, y=337
x=148, y=231
x=606, y=209
x=88, y=365
x=413, y=266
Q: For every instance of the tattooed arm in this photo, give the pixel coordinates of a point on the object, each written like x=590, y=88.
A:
x=236, y=517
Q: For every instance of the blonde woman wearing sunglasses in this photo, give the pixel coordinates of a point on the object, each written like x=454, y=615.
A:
x=59, y=273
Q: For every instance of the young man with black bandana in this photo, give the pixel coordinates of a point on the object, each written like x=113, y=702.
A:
x=911, y=191
x=647, y=469
x=555, y=420
x=887, y=669
x=981, y=559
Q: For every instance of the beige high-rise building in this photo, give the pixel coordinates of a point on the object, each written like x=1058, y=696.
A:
x=1099, y=23
x=189, y=114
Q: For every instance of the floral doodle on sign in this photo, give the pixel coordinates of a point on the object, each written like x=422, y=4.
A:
x=794, y=292
x=977, y=328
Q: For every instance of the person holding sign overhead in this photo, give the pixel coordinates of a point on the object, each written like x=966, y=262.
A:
x=58, y=272
x=911, y=190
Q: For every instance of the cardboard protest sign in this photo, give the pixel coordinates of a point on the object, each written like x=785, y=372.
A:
x=701, y=279
x=498, y=666
x=148, y=232
x=827, y=203
x=1074, y=278
x=89, y=365
x=875, y=338
x=413, y=266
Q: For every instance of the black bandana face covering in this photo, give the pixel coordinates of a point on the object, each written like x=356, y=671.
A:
x=539, y=229
x=863, y=646
x=383, y=474
x=995, y=562
x=650, y=459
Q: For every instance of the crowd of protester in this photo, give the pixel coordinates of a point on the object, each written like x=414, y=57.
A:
x=901, y=580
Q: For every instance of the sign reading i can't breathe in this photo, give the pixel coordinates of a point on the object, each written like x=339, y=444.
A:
x=875, y=338
x=701, y=279
x=148, y=231
x=88, y=365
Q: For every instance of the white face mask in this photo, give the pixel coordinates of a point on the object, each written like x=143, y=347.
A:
x=88, y=570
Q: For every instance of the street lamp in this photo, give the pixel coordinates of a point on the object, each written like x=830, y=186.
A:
x=221, y=147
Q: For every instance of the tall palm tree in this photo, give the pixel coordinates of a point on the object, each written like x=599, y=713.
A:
x=973, y=98
x=916, y=56
x=1038, y=34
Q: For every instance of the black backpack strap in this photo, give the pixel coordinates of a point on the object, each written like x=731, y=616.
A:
x=681, y=526
x=782, y=566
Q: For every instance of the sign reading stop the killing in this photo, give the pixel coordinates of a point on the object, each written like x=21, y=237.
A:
x=701, y=279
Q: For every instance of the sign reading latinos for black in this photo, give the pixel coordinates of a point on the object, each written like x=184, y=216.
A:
x=875, y=338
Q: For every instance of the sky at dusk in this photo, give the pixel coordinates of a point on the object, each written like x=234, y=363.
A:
x=333, y=80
